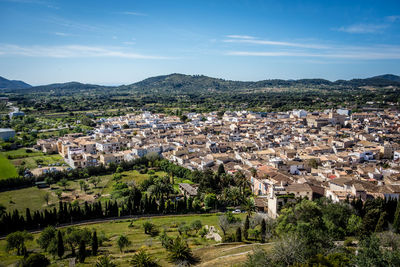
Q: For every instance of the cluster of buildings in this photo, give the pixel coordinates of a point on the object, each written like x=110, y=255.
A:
x=332, y=153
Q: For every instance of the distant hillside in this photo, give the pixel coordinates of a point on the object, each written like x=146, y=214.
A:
x=198, y=84
x=65, y=86
x=389, y=77
x=10, y=84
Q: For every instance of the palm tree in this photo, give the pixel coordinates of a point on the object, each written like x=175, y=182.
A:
x=180, y=252
x=249, y=206
x=123, y=242
x=253, y=172
x=105, y=261
x=242, y=181
x=142, y=259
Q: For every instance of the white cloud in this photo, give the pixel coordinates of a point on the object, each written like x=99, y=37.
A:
x=133, y=13
x=62, y=34
x=363, y=28
x=246, y=37
x=392, y=18
x=72, y=51
x=363, y=55
x=275, y=43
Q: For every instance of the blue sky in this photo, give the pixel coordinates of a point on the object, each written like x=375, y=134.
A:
x=120, y=42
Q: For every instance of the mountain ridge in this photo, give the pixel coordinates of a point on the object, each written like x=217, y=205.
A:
x=177, y=81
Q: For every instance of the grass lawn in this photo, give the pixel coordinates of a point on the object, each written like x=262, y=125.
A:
x=31, y=198
x=7, y=170
x=205, y=249
x=31, y=160
x=35, y=161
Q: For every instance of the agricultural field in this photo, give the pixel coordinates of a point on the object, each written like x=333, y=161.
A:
x=7, y=169
x=33, y=197
x=31, y=159
x=208, y=251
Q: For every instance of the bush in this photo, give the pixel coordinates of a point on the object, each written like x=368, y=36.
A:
x=36, y=260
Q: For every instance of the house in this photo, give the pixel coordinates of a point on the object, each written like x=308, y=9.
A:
x=189, y=190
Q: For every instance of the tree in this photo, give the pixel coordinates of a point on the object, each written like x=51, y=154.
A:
x=47, y=236
x=369, y=254
x=210, y=201
x=263, y=230
x=142, y=259
x=2, y=210
x=246, y=227
x=221, y=169
x=17, y=240
x=180, y=253
x=249, y=206
x=59, y=194
x=64, y=183
x=46, y=197
x=36, y=260
x=196, y=225
x=123, y=242
x=82, y=251
x=105, y=261
x=381, y=222
x=396, y=222
x=259, y=258
x=95, y=181
x=95, y=243
x=238, y=234
x=288, y=250
x=60, y=245
x=148, y=227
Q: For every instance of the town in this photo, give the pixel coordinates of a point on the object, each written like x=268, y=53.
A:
x=334, y=153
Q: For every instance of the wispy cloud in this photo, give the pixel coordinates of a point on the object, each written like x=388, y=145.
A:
x=246, y=37
x=362, y=55
x=253, y=40
x=62, y=34
x=132, y=13
x=72, y=51
x=363, y=28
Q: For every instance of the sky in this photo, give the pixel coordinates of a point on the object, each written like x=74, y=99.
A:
x=113, y=42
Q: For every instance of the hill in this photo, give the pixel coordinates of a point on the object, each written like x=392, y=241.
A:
x=11, y=84
x=197, y=84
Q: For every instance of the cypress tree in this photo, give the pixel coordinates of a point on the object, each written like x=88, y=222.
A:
x=95, y=243
x=246, y=228
x=396, y=222
x=82, y=251
x=381, y=223
x=238, y=234
x=263, y=231
x=60, y=245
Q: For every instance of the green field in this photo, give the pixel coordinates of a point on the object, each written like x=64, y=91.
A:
x=31, y=198
x=30, y=160
x=7, y=170
x=210, y=253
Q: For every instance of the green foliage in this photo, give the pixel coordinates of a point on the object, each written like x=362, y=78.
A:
x=258, y=258
x=95, y=243
x=17, y=240
x=123, y=242
x=180, y=253
x=60, y=245
x=36, y=260
x=82, y=251
x=47, y=236
x=142, y=259
x=105, y=261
